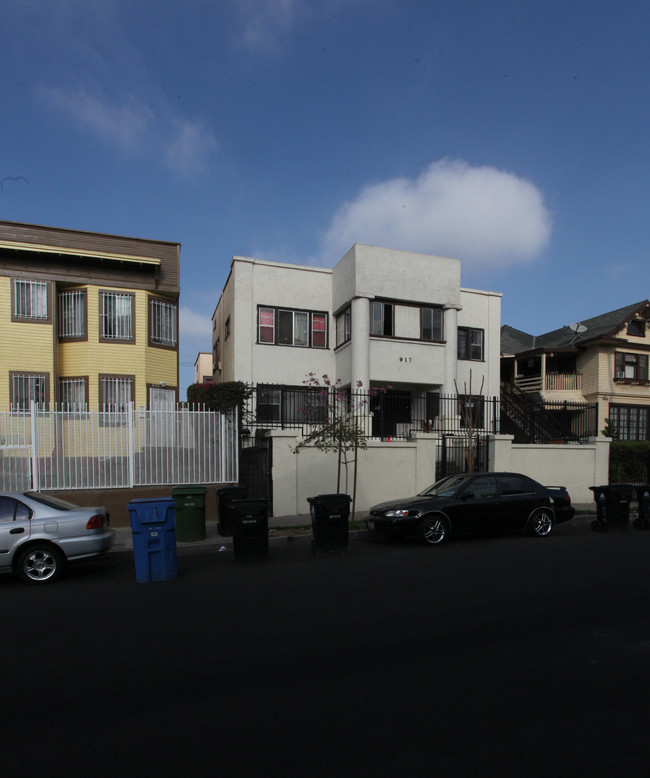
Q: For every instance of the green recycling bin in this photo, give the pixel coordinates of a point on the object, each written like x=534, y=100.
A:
x=190, y=512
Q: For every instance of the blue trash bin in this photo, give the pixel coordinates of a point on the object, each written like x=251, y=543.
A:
x=153, y=527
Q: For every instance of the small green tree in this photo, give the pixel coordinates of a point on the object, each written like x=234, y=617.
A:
x=219, y=397
x=609, y=430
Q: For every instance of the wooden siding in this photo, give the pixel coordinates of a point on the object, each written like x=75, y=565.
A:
x=91, y=270
x=35, y=348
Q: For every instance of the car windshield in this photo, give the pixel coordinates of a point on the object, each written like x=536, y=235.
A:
x=446, y=487
x=51, y=502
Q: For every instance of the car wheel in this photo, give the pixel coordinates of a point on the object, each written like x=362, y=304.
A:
x=541, y=522
x=432, y=530
x=41, y=564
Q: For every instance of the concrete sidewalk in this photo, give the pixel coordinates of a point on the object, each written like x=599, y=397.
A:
x=277, y=528
x=282, y=528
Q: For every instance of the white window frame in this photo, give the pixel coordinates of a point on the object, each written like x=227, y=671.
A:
x=299, y=322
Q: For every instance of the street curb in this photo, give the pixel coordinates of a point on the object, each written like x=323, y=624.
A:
x=221, y=544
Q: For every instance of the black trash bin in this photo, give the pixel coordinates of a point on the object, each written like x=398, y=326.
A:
x=329, y=522
x=224, y=496
x=250, y=529
x=153, y=528
x=643, y=503
x=612, y=506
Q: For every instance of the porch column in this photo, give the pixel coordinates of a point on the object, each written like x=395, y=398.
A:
x=360, y=343
x=450, y=329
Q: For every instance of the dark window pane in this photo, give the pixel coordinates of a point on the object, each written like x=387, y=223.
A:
x=285, y=327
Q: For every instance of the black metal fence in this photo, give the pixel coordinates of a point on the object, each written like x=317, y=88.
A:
x=378, y=414
x=532, y=421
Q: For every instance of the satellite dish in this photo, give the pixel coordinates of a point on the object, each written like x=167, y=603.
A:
x=577, y=328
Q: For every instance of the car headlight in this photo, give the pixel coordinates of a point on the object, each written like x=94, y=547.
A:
x=397, y=513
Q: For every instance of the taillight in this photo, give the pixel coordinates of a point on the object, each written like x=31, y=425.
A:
x=95, y=522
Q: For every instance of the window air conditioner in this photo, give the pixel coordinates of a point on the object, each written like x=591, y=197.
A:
x=620, y=374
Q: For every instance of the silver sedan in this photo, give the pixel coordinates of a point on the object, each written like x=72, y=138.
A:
x=40, y=534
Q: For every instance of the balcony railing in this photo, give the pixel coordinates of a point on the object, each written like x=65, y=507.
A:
x=564, y=382
x=553, y=382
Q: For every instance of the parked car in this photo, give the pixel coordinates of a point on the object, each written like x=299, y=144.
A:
x=39, y=535
x=472, y=503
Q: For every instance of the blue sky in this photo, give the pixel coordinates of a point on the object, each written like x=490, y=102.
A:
x=512, y=135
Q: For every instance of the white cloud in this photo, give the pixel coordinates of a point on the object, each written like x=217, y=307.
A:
x=187, y=146
x=266, y=23
x=265, y=26
x=479, y=215
x=195, y=326
x=135, y=127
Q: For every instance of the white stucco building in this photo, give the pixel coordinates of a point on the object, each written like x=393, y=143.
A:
x=379, y=318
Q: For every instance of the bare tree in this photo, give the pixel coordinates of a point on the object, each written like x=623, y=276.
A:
x=471, y=416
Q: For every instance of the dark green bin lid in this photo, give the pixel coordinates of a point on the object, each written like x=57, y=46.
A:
x=190, y=489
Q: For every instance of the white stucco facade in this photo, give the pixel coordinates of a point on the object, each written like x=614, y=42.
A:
x=398, y=314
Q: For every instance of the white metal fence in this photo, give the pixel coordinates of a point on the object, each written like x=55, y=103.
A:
x=74, y=449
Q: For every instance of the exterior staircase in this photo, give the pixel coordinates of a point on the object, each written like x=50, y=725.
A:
x=528, y=419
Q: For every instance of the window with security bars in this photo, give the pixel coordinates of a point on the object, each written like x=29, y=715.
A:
x=162, y=323
x=72, y=394
x=291, y=404
x=30, y=300
x=116, y=394
x=116, y=316
x=72, y=314
x=27, y=388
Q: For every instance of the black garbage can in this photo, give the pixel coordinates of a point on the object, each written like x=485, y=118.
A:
x=612, y=506
x=643, y=503
x=329, y=522
x=190, y=512
x=224, y=496
x=250, y=529
x=153, y=529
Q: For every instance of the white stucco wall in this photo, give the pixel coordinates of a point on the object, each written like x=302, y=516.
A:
x=397, y=275
x=365, y=272
x=406, y=362
x=481, y=310
x=384, y=471
x=404, y=468
x=575, y=466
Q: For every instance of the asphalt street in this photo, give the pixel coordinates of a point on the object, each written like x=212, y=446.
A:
x=494, y=656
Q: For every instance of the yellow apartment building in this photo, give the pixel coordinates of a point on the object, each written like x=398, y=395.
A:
x=86, y=319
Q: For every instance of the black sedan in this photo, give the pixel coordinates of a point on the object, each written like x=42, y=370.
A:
x=473, y=503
